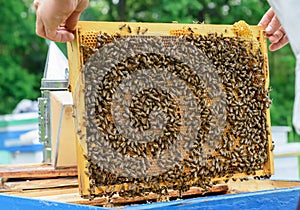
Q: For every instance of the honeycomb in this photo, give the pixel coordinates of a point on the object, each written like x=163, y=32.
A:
x=170, y=112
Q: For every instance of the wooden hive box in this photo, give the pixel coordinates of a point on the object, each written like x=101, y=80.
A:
x=169, y=106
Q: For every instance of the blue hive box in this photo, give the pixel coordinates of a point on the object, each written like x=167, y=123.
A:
x=12, y=126
x=12, y=146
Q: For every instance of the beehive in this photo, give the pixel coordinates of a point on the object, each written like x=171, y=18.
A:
x=169, y=106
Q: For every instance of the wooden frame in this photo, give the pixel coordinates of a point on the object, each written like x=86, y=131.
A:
x=153, y=29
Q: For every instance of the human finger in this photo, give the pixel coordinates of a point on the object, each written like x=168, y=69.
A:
x=36, y=4
x=39, y=27
x=266, y=19
x=273, y=26
x=60, y=35
x=72, y=20
x=277, y=35
x=281, y=43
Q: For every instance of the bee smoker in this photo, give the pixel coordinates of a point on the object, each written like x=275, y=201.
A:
x=55, y=78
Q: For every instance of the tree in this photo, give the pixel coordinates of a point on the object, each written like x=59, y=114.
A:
x=22, y=54
x=218, y=12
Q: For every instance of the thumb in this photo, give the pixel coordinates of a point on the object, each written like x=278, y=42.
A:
x=74, y=17
x=72, y=20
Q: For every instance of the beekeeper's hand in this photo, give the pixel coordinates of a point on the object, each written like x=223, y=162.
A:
x=274, y=30
x=56, y=19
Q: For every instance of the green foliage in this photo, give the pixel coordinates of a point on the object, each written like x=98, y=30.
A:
x=22, y=54
x=15, y=84
x=218, y=12
x=282, y=79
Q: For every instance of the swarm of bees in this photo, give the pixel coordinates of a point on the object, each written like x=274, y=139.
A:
x=173, y=112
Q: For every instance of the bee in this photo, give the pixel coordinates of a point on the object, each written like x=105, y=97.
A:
x=138, y=30
x=272, y=147
x=117, y=35
x=129, y=29
x=144, y=31
x=190, y=30
x=122, y=27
